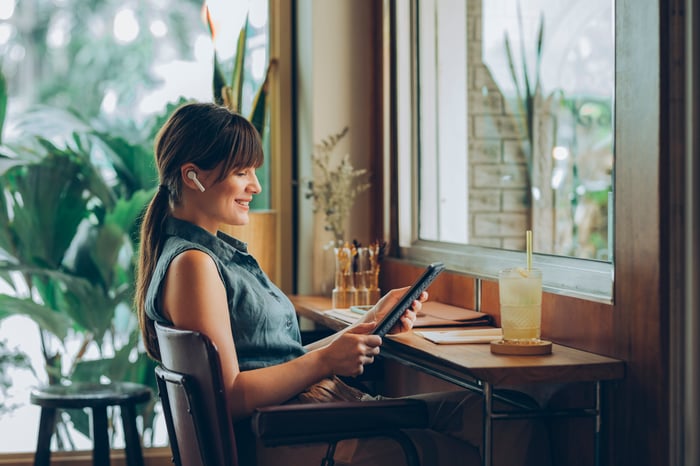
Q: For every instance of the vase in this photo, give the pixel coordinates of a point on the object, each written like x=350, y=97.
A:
x=344, y=292
x=362, y=270
x=375, y=251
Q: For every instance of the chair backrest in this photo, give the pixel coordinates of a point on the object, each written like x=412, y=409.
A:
x=191, y=389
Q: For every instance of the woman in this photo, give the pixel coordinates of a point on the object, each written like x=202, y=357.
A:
x=192, y=276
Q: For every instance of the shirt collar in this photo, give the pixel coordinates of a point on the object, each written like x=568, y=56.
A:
x=223, y=245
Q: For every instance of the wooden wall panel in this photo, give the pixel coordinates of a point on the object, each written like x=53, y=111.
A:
x=489, y=299
x=260, y=235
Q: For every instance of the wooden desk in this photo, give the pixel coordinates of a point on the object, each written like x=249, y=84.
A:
x=474, y=367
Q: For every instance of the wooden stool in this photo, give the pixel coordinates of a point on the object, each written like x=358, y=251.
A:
x=97, y=397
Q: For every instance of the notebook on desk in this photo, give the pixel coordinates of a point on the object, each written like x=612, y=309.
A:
x=436, y=314
x=432, y=314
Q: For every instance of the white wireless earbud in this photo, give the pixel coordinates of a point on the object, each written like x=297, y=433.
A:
x=193, y=176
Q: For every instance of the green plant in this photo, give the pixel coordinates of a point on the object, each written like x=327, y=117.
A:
x=335, y=185
x=72, y=199
x=74, y=183
x=528, y=91
x=59, y=38
x=10, y=358
x=230, y=94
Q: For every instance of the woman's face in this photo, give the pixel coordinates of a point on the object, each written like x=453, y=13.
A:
x=226, y=202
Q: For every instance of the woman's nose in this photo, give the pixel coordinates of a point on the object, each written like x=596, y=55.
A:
x=254, y=185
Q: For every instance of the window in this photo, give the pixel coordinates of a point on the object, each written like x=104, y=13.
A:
x=505, y=124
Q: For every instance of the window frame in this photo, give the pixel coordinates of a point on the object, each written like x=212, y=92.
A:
x=587, y=279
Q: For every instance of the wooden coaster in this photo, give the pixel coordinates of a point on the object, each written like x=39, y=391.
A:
x=521, y=349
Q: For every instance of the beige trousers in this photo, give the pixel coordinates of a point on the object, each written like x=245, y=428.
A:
x=453, y=439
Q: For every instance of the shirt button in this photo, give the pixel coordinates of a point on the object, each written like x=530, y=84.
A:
x=289, y=323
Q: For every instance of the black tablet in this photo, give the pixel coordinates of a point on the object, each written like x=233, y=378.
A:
x=413, y=293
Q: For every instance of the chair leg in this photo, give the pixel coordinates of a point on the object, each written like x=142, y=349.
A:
x=329, y=460
x=409, y=449
x=100, y=452
x=47, y=422
x=132, y=439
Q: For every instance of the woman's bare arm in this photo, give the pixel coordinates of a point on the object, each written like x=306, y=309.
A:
x=195, y=298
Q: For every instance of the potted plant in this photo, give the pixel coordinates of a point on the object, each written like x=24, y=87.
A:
x=333, y=190
x=69, y=216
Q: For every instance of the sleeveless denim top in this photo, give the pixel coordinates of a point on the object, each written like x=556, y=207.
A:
x=263, y=320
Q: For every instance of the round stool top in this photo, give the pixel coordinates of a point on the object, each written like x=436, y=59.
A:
x=84, y=395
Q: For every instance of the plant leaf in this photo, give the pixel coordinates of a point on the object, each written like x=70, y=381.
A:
x=127, y=212
x=258, y=115
x=44, y=208
x=514, y=74
x=219, y=82
x=89, y=306
x=103, y=245
x=47, y=319
x=538, y=56
x=133, y=163
x=239, y=68
x=3, y=102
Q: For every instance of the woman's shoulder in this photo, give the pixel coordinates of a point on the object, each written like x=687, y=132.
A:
x=193, y=258
x=176, y=245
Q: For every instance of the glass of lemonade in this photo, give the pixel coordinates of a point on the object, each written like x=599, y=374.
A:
x=520, y=294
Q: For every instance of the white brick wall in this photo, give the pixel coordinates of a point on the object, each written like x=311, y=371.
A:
x=498, y=185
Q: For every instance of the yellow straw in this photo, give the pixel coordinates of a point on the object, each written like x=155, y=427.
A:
x=528, y=243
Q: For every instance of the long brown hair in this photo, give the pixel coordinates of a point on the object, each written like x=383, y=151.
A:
x=210, y=136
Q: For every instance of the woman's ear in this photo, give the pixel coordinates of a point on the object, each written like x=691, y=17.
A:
x=189, y=173
x=192, y=175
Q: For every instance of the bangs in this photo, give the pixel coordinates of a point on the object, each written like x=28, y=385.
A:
x=242, y=145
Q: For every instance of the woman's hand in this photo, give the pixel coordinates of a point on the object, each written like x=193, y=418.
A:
x=387, y=302
x=349, y=351
x=352, y=350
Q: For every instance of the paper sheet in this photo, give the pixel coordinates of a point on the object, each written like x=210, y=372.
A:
x=344, y=315
x=471, y=335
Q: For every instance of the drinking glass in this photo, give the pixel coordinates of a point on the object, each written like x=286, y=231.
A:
x=520, y=295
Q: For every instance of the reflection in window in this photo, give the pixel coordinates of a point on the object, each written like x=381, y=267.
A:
x=515, y=123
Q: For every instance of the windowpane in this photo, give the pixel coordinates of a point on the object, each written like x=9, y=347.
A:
x=514, y=121
x=443, y=104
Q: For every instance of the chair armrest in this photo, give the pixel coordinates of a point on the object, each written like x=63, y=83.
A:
x=332, y=421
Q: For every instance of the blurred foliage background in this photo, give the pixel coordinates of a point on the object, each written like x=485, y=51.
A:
x=84, y=87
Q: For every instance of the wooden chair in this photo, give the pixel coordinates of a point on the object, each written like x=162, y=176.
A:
x=201, y=430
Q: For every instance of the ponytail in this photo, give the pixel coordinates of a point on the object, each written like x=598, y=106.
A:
x=152, y=226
